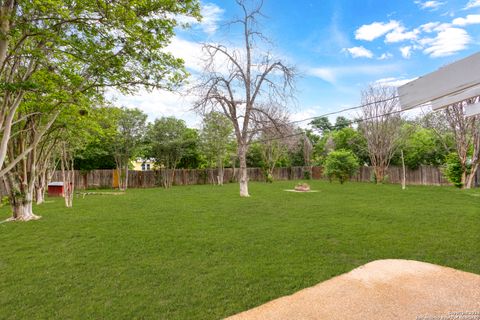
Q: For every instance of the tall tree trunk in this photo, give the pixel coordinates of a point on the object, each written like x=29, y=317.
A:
x=464, y=175
x=41, y=184
x=220, y=172
x=470, y=179
x=20, y=198
x=242, y=156
x=22, y=209
x=39, y=195
x=234, y=163
x=68, y=176
x=125, y=180
x=404, y=177
x=379, y=174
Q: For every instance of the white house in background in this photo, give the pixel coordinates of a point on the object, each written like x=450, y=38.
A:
x=140, y=164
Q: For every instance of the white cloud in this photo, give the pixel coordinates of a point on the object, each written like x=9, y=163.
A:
x=393, y=82
x=434, y=38
x=400, y=34
x=406, y=51
x=190, y=52
x=469, y=19
x=334, y=74
x=429, y=27
x=472, y=4
x=211, y=16
x=375, y=30
x=385, y=56
x=304, y=114
x=432, y=5
x=447, y=42
x=160, y=103
x=326, y=74
x=359, y=52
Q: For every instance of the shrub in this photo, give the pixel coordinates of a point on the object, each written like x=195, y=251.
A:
x=341, y=165
x=307, y=175
x=453, y=170
x=268, y=177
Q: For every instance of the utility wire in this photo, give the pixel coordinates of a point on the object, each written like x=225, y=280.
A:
x=335, y=126
x=344, y=110
x=333, y=112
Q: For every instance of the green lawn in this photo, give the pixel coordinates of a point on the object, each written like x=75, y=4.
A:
x=201, y=252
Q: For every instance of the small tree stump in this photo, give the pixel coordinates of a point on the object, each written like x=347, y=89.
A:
x=302, y=187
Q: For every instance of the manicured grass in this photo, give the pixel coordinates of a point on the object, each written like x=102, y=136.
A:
x=202, y=252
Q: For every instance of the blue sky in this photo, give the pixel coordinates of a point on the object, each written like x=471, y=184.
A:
x=338, y=46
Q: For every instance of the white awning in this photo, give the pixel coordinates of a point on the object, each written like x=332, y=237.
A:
x=453, y=83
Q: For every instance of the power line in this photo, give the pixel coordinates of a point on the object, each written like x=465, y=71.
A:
x=350, y=122
x=334, y=112
x=344, y=110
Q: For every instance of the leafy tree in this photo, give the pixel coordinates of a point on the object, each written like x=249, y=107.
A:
x=341, y=123
x=322, y=125
x=422, y=146
x=63, y=54
x=453, y=170
x=254, y=156
x=128, y=141
x=341, y=165
x=99, y=152
x=466, y=133
x=217, y=137
x=66, y=50
x=347, y=139
x=96, y=155
x=169, y=140
x=193, y=158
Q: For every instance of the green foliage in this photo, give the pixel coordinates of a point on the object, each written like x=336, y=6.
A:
x=95, y=156
x=193, y=157
x=307, y=174
x=170, y=140
x=422, y=146
x=99, y=151
x=453, y=170
x=322, y=125
x=341, y=123
x=217, y=141
x=254, y=156
x=341, y=165
x=4, y=201
x=268, y=177
x=344, y=139
x=130, y=132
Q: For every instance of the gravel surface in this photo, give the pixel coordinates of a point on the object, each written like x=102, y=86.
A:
x=382, y=289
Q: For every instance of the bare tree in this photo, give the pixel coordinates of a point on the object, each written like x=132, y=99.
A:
x=466, y=132
x=277, y=138
x=237, y=81
x=380, y=124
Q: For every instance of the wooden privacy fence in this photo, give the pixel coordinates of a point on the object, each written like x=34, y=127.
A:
x=424, y=175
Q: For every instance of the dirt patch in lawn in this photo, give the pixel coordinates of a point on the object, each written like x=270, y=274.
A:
x=383, y=289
